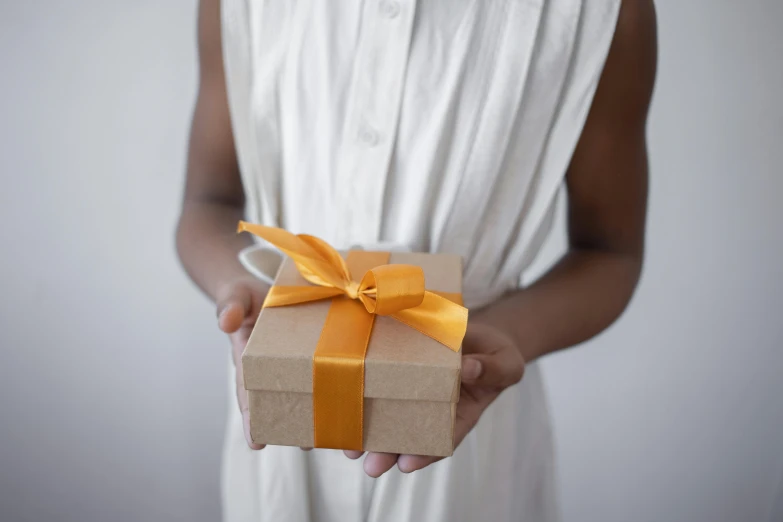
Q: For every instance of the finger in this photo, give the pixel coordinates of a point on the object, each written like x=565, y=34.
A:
x=239, y=340
x=469, y=412
x=353, y=455
x=497, y=370
x=471, y=369
x=246, y=425
x=411, y=463
x=306, y=449
x=233, y=307
x=376, y=464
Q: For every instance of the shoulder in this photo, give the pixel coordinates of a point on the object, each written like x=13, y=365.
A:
x=634, y=51
x=636, y=31
x=636, y=16
x=628, y=76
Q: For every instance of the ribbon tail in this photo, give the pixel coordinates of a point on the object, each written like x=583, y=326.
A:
x=291, y=295
x=439, y=318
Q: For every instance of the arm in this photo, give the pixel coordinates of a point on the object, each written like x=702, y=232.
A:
x=592, y=284
x=214, y=200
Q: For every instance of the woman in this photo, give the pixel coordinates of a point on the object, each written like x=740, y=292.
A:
x=442, y=126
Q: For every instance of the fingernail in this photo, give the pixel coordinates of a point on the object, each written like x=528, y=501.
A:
x=404, y=464
x=368, y=468
x=221, y=310
x=353, y=455
x=471, y=369
x=220, y=313
x=246, y=428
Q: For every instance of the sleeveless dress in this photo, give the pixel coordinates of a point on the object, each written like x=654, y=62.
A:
x=441, y=125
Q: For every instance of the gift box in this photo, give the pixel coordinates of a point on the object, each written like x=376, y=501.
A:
x=365, y=359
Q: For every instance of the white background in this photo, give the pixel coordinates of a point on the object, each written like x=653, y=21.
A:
x=113, y=375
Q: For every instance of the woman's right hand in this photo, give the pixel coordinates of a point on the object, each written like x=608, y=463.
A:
x=238, y=305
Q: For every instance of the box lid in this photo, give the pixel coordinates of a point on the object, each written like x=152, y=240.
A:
x=401, y=363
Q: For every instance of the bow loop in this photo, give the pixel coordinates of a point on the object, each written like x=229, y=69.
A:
x=394, y=290
x=316, y=260
x=388, y=289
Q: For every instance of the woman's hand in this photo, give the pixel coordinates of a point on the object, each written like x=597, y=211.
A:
x=491, y=362
x=238, y=306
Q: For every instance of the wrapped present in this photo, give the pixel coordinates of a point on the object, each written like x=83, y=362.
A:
x=357, y=350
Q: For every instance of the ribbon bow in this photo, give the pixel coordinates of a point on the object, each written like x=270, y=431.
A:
x=394, y=290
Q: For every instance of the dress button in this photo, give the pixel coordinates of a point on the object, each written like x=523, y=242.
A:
x=389, y=8
x=368, y=135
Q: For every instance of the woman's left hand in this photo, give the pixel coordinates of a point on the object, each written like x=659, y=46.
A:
x=491, y=362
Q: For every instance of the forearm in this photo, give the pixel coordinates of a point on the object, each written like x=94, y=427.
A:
x=584, y=293
x=208, y=244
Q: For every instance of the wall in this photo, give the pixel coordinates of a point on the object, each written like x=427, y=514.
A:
x=676, y=413
x=112, y=373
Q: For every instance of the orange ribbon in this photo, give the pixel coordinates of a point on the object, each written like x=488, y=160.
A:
x=397, y=291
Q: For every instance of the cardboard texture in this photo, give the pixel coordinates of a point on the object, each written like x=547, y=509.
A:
x=411, y=381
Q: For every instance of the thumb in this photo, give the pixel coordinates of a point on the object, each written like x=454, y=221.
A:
x=497, y=370
x=233, y=307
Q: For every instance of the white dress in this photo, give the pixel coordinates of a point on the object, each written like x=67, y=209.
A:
x=442, y=125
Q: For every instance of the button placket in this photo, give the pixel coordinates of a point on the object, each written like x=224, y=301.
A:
x=389, y=8
x=376, y=92
x=367, y=135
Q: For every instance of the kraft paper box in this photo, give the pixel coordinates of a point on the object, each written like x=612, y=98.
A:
x=411, y=383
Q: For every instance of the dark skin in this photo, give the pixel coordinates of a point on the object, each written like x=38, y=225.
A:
x=580, y=296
